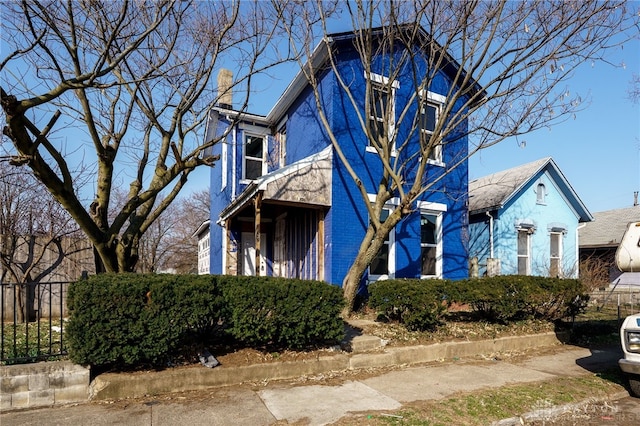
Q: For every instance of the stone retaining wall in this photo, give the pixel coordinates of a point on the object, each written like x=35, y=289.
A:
x=43, y=384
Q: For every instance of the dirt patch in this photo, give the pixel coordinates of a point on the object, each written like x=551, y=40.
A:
x=458, y=328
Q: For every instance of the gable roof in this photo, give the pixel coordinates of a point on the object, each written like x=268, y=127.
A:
x=494, y=191
x=320, y=56
x=608, y=227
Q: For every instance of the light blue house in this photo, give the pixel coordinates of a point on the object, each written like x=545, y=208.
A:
x=282, y=203
x=525, y=221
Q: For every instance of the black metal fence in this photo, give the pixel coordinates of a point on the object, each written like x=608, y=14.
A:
x=33, y=321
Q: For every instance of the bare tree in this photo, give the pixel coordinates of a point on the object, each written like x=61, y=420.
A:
x=169, y=244
x=510, y=63
x=130, y=83
x=182, y=246
x=38, y=240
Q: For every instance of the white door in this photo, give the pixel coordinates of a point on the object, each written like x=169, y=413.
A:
x=279, y=269
x=249, y=254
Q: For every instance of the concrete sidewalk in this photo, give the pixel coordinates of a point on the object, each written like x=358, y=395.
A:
x=290, y=402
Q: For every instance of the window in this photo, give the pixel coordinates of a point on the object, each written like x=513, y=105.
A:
x=540, y=193
x=431, y=215
x=428, y=244
x=381, y=109
x=383, y=263
x=254, y=150
x=430, y=110
x=379, y=102
x=523, y=251
x=281, y=146
x=555, y=254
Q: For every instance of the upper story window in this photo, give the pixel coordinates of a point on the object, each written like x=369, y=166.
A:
x=540, y=193
x=254, y=157
x=280, y=144
x=382, y=109
x=430, y=110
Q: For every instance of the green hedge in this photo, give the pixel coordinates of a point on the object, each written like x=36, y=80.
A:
x=132, y=319
x=511, y=297
x=129, y=320
x=418, y=304
x=283, y=312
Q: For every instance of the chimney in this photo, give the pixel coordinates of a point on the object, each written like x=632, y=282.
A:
x=635, y=198
x=225, y=96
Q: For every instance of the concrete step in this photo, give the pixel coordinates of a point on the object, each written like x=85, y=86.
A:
x=362, y=343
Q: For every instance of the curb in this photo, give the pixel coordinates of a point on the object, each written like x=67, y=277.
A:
x=113, y=386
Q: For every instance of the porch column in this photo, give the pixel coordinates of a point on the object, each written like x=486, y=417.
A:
x=257, y=204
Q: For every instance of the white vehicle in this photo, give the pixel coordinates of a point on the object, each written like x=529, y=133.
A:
x=628, y=260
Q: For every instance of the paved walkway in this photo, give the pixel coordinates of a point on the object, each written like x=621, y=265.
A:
x=289, y=402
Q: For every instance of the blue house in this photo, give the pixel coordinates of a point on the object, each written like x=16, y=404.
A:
x=283, y=204
x=525, y=221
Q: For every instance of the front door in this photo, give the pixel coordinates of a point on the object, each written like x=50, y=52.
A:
x=249, y=254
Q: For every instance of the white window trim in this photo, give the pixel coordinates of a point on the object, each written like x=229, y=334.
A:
x=560, y=235
x=541, y=200
x=395, y=85
x=530, y=231
x=438, y=210
x=224, y=161
x=246, y=135
x=391, y=265
x=282, y=153
x=439, y=99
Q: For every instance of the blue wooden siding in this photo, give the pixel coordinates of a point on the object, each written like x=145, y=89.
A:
x=555, y=212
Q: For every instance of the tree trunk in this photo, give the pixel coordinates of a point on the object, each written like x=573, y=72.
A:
x=369, y=247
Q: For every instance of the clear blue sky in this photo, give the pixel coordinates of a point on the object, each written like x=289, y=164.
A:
x=598, y=151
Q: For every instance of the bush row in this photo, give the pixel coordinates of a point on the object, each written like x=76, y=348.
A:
x=422, y=304
x=126, y=320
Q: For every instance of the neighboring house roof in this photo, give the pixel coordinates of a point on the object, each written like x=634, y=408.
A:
x=291, y=184
x=204, y=226
x=608, y=227
x=320, y=56
x=494, y=191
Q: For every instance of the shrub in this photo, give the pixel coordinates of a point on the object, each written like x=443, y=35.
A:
x=124, y=320
x=282, y=312
x=511, y=297
x=418, y=304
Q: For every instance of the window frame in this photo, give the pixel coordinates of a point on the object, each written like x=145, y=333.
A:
x=527, y=257
x=245, y=157
x=438, y=210
x=390, y=242
x=558, y=258
x=541, y=193
x=438, y=101
x=281, y=142
x=379, y=81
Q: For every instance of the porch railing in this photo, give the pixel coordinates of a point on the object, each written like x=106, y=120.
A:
x=33, y=321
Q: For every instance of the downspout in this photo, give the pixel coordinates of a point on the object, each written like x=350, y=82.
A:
x=578, y=228
x=490, y=235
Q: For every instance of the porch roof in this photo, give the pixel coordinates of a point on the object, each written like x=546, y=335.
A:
x=307, y=182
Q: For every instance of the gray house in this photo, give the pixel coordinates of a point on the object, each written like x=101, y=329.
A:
x=600, y=239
